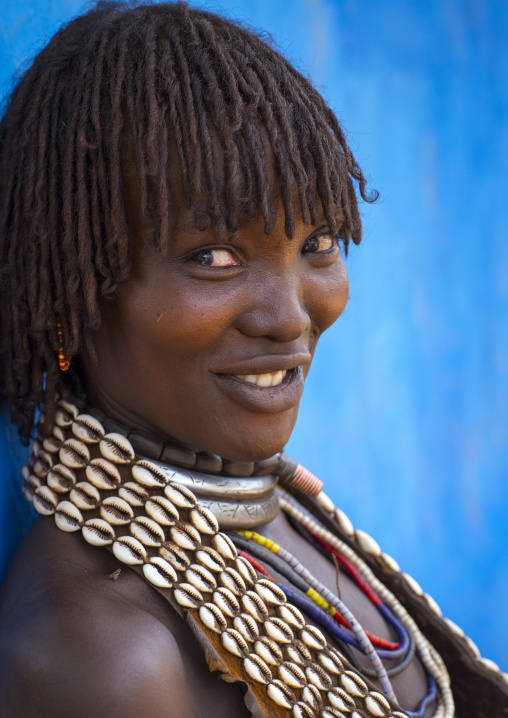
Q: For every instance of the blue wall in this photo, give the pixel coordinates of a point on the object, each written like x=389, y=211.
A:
x=406, y=410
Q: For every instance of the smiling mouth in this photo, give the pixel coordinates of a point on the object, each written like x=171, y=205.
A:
x=273, y=378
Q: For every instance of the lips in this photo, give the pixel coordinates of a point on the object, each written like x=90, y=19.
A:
x=264, y=392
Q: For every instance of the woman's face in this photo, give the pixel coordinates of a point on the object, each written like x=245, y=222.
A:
x=210, y=343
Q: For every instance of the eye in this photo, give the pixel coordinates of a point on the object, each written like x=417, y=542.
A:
x=218, y=257
x=319, y=244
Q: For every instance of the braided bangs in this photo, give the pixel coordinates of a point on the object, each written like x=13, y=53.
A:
x=170, y=84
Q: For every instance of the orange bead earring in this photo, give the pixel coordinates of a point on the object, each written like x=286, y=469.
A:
x=63, y=360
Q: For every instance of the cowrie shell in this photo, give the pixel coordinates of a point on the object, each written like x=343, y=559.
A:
x=87, y=428
x=234, y=642
x=255, y=605
x=174, y=555
x=292, y=674
x=98, y=532
x=160, y=572
x=61, y=479
x=268, y=650
x=52, y=444
x=313, y=638
x=103, y=474
x=340, y=699
x=281, y=694
x=353, y=684
x=302, y=710
x=116, y=511
x=391, y=563
x=377, y=705
x=181, y=496
x=231, y=579
x=42, y=463
x=85, y=496
x=433, y=605
x=65, y=413
x=397, y=714
x=367, y=543
x=291, y=615
x=278, y=630
x=257, y=668
x=325, y=502
x=74, y=454
x=212, y=617
x=344, y=522
x=116, y=448
x=147, y=531
x=68, y=517
x=45, y=500
x=330, y=661
x=201, y=578
x=210, y=558
x=334, y=713
x=312, y=696
x=246, y=570
x=247, y=626
x=149, y=474
x=29, y=485
x=133, y=493
x=26, y=471
x=413, y=584
x=58, y=433
x=226, y=601
x=188, y=596
x=318, y=677
x=224, y=546
x=203, y=520
x=36, y=447
x=162, y=510
x=269, y=592
x=184, y=536
x=295, y=655
x=129, y=550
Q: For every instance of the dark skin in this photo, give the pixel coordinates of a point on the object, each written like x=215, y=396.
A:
x=175, y=347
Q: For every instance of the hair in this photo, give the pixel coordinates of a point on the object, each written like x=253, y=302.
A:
x=176, y=86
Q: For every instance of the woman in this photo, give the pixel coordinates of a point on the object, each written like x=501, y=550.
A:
x=173, y=199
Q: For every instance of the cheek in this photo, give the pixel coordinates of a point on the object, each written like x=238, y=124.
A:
x=328, y=295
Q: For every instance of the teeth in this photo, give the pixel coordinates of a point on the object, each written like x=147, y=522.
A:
x=264, y=380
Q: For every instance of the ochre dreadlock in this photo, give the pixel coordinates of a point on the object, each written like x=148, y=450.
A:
x=173, y=84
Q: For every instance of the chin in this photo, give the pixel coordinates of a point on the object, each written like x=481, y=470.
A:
x=260, y=444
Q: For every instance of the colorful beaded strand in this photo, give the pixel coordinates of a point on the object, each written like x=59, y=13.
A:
x=366, y=646
x=428, y=655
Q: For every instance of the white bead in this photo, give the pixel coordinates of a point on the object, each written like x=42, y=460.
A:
x=413, y=584
x=433, y=605
x=325, y=502
x=344, y=522
x=367, y=543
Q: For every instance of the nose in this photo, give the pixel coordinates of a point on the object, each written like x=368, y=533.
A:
x=276, y=308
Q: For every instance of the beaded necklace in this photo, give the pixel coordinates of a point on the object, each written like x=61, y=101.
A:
x=133, y=516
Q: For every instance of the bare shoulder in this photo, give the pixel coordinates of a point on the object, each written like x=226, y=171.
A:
x=77, y=642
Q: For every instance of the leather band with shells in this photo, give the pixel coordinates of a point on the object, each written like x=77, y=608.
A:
x=93, y=482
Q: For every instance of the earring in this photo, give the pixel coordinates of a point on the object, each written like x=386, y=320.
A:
x=63, y=360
